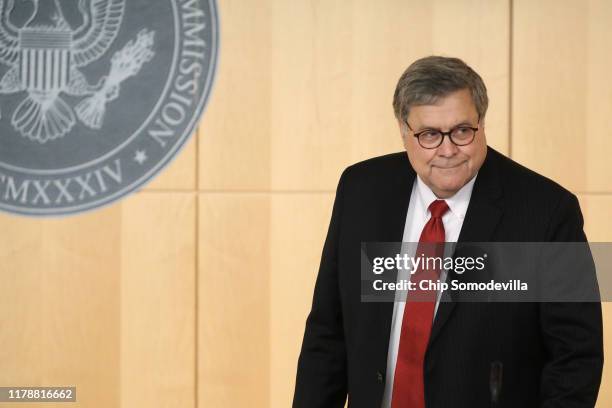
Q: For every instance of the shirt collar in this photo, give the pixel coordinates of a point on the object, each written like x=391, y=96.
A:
x=458, y=203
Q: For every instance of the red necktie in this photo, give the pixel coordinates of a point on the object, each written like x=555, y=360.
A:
x=408, y=390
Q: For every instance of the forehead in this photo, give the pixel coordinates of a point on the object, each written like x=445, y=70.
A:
x=449, y=110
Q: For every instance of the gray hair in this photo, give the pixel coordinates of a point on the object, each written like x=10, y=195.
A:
x=429, y=78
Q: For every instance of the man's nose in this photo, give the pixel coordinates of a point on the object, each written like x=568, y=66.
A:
x=447, y=148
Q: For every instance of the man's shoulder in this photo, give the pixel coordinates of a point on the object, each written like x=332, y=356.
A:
x=516, y=178
x=376, y=167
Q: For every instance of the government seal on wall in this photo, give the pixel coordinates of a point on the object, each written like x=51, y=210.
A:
x=97, y=96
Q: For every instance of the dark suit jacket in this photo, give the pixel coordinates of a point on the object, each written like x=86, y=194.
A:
x=552, y=353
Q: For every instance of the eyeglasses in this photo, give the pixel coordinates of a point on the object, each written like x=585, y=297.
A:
x=432, y=138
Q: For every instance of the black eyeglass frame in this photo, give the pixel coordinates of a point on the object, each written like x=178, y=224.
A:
x=475, y=129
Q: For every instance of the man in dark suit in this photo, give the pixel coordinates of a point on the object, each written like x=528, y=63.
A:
x=450, y=186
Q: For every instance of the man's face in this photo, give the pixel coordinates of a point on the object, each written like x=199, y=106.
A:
x=448, y=167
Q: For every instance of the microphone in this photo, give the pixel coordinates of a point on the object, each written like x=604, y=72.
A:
x=495, y=381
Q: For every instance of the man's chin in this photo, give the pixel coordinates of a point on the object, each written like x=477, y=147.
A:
x=447, y=188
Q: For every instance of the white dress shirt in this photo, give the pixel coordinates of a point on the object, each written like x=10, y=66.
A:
x=416, y=218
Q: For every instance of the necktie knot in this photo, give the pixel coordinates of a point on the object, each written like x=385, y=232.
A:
x=438, y=208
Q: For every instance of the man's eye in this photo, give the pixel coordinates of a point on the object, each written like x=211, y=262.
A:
x=430, y=134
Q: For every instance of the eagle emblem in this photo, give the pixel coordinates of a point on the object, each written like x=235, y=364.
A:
x=44, y=56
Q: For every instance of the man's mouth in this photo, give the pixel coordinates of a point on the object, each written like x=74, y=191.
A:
x=454, y=166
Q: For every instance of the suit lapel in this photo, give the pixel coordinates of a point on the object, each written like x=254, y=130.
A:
x=481, y=219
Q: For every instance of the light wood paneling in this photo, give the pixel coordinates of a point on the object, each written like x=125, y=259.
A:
x=335, y=66
x=180, y=173
x=597, y=213
x=103, y=301
x=298, y=226
x=305, y=89
x=158, y=300
x=235, y=132
x=562, y=90
x=234, y=298
x=60, y=304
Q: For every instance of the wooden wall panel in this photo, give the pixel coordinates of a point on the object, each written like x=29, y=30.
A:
x=298, y=226
x=103, y=301
x=305, y=89
x=233, y=300
x=158, y=301
x=597, y=213
x=60, y=304
x=335, y=66
x=234, y=140
x=180, y=173
x=561, y=90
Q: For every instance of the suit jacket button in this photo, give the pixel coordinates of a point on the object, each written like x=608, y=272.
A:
x=379, y=377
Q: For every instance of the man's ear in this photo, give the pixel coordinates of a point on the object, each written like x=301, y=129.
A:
x=481, y=129
x=402, y=127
